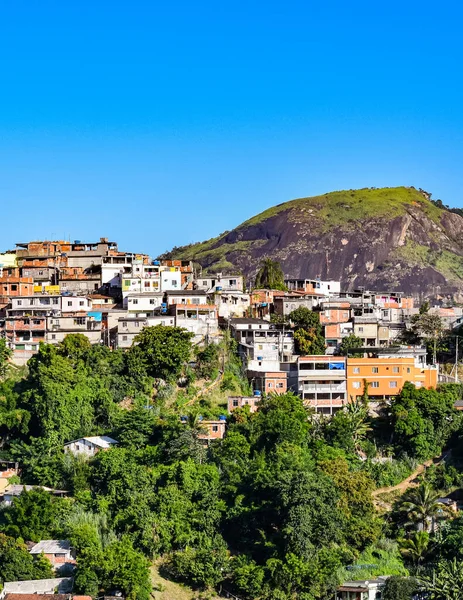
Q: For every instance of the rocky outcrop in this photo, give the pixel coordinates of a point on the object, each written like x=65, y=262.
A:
x=393, y=238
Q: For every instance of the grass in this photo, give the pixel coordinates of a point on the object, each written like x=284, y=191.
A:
x=447, y=263
x=338, y=208
x=343, y=209
x=165, y=589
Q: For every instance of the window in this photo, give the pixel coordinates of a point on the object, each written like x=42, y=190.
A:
x=260, y=347
x=269, y=384
x=374, y=369
x=81, y=303
x=204, y=282
x=20, y=302
x=374, y=384
x=151, y=300
x=395, y=369
x=356, y=385
x=69, y=302
x=356, y=370
x=79, y=321
x=26, y=321
x=134, y=301
x=147, y=284
x=124, y=324
x=280, y=385
x=14, y=288
x=137, y=324
x=235, y=402
x=55, y=300
x=53, y=336
x=232, y=282
x=174, y=282
x=196, y=301
x=393, y=384
x=36, y=322
x=408, y=370
x=215, y=428
x=124, y=338
x=360, y=329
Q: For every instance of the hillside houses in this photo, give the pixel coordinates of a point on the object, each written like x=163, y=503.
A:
x=49, y=289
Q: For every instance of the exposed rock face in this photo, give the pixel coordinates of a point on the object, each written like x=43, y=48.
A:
x=393, y=239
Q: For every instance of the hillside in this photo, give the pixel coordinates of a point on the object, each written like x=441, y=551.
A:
x=393, y=238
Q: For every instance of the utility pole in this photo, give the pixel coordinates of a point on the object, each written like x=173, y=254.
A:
x=456, y=359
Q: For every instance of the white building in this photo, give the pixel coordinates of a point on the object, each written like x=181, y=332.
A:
x=144, y=303
x=219, y=283
x=262, y=344
x=89, y=446
x=130, y=326
x=362, y=590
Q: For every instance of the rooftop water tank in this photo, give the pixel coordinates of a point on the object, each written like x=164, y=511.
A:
x=257, y=393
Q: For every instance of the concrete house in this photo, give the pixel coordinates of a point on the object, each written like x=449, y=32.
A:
x=58, y=552
x=322, y=382
x=235, y=402
x=89, y=446
x=361, y=590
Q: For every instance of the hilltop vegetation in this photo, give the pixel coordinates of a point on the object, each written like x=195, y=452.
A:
x=373, y=237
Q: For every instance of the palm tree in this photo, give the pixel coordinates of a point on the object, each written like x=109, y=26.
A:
x=421, y=505
x=270, y=275
x=446, y=582
x=358, y=427
x=416, y=548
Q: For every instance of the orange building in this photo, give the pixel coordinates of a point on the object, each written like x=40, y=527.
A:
x=387, y=374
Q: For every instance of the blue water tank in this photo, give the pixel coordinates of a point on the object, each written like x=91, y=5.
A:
x=156, y=262
x=260, y=358
x=77, y=242
x=218, y=288
x=257, y=393
x=222, y=418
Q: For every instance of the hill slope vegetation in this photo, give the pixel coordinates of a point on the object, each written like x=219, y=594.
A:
x=388, y=238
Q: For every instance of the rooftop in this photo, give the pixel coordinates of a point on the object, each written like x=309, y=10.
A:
x=51, y=547
x=102, y=441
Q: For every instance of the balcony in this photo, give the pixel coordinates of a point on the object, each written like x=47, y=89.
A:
x=323, y=387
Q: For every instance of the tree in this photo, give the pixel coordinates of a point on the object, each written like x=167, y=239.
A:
x=309, y=342
x=32, y=515
x=205, y=565
x=163, y=351
x=446, y=581
x=430, y=328
x=304, y=318
x=16, y=564
x=416, y=548
x=127, y=570
x=308, y=335
x=349, y=343
x=5, y=355
x=270, y=276
x=399, y=588
x=422, y=507
x=423, y=420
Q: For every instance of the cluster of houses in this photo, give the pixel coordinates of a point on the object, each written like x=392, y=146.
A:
x=49, y=289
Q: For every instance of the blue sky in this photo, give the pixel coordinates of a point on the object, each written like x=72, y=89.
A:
x=164, y=123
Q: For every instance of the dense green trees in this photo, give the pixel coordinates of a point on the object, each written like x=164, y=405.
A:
x=308, y=334
x=349, y=344
x=275, y=510
x=160, y=352
x=423, y=420
x=16, y=564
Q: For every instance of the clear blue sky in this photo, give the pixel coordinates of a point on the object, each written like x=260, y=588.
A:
x=163, y=123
